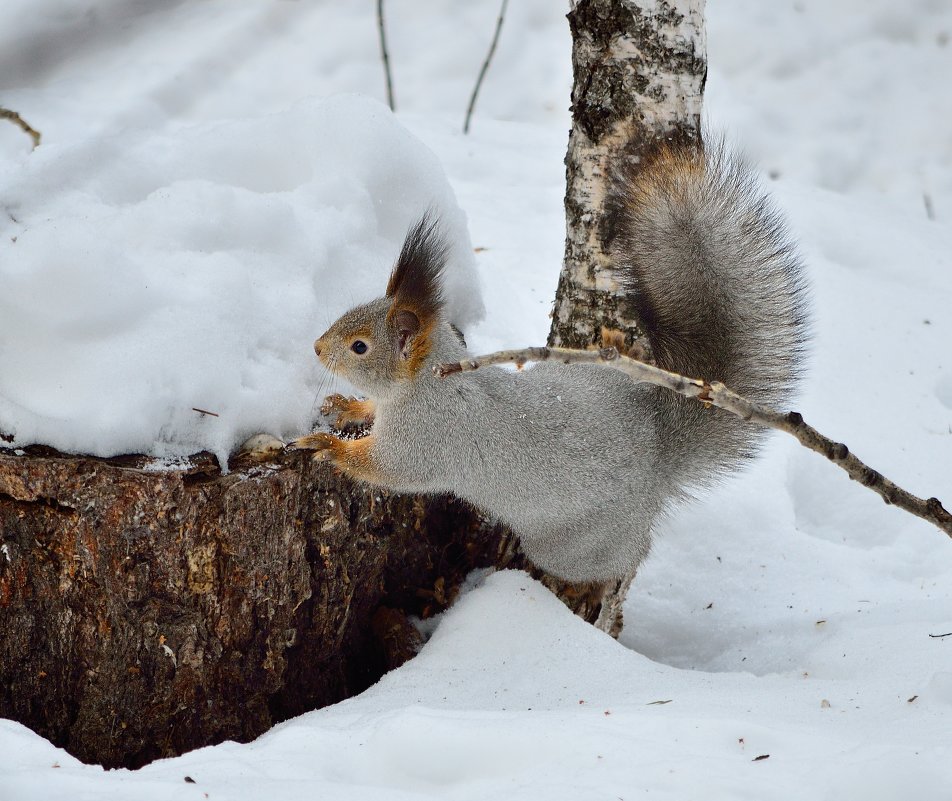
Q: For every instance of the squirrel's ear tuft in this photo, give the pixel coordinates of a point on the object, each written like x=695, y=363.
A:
x=416, y=281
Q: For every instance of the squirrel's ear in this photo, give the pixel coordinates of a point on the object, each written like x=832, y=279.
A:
x=408, y=326
x=416, y=283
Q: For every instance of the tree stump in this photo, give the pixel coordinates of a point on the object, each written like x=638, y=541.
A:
x=144, y=613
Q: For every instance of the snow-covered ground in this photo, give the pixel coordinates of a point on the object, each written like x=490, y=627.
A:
x=198, y=212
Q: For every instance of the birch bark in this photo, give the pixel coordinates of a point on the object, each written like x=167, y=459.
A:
x=640, y=69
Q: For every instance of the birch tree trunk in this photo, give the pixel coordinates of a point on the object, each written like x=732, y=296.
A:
x=640, y=68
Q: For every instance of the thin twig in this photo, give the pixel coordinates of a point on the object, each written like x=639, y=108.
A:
x=16, y=119
x=385, y=55
x=716, y=394
x=485, y=67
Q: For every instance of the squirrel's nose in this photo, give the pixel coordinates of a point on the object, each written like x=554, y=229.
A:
x=317, y=348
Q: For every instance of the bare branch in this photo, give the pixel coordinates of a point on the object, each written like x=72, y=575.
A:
x=16, y=119
x=485, y=67
x=385, y=55
x=716, y=394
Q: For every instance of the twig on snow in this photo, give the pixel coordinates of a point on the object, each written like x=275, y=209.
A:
x=385, y=55
x=716, y=394
x=485, y=67
x=28, y=129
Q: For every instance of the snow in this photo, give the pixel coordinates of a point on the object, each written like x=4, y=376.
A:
x=514, y=697
x=151, y=273
x=180, y=238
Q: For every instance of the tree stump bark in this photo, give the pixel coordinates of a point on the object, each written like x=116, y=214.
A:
x=144, y=613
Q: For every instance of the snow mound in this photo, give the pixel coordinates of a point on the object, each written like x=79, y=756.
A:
x=151, y=273
x=514, y=698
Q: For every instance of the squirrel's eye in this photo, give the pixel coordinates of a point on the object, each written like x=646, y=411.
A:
x=359, y=346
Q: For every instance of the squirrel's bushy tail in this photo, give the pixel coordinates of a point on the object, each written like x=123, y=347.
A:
x=720, y=292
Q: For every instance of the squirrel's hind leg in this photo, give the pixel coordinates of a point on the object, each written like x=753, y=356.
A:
x=611, y=619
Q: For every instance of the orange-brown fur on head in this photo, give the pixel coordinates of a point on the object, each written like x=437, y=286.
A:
x=387, y=341
x=416, y=351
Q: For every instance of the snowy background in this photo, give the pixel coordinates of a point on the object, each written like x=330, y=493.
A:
x=201, y=207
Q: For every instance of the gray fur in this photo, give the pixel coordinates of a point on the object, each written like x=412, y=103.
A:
x=577, y=459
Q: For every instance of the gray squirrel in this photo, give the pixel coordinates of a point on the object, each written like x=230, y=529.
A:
x=580, y=461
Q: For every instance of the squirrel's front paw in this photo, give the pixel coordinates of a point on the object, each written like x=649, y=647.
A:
x=347, y=413
x=334, y=404
x=322, y=444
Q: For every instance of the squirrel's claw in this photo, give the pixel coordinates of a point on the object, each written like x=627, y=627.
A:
x=321, y=442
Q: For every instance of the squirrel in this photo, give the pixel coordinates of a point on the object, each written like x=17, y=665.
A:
x=578, y=460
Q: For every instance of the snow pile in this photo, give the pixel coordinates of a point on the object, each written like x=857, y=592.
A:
x=146, y=274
